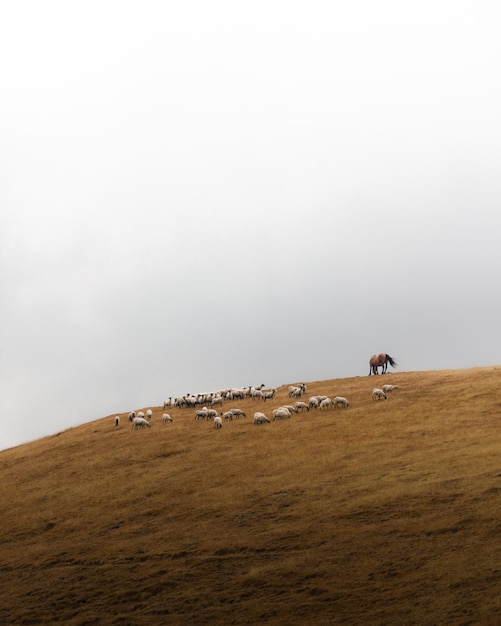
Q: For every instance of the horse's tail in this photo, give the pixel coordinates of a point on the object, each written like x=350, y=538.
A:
x=391, y=361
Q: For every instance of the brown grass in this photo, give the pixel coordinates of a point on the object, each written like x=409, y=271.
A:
x=385, y=513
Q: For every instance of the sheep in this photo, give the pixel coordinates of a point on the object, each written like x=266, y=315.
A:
x=260, y=418
x=235, y=393
x=168, y=403
x=296, y=391
x=290, y=408
x=140, y=414
x=149, y=414
x=166, y=418
x=340, y=401
x=201, y=414
x=313, y=403
x=140, y=422
x=326, y=403
x=269, y=395
x=132, y=415
x=218, y=422
x=237, y=413
x=211, y=413
x=257, y=393
x=301, y=406
x=117, y=420
x=389, y=388
x=281, y=413
x=227, y=415
x=216, y=400
x=378, y=394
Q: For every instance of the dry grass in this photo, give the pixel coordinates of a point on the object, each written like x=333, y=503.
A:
x=385, y=513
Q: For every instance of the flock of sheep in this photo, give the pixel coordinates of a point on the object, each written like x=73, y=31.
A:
x=142, y=420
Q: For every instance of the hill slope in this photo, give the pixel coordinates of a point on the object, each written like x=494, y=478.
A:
x=387, y=512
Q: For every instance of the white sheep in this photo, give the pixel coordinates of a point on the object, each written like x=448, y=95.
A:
x=227, y=415
x=389, y=388
x=168, y=403
x=218, y=422
x=149, y=414
x=140, y=422
x=378, y=394
x=260, y=418
x=290, y=408
x=117, y=420
x=216, y=400
x=340, y=401
x=326, y=403
x=201, y=414
x=140, y=414
x=313, y=403
x=295, y=392
x=301, y=406
x=235, y=393
x=166, y=418
x=281, y=413
x=238, y=413
x=269, y=394
x=132, y=415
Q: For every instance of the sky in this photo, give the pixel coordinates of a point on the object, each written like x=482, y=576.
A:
x=200, y=195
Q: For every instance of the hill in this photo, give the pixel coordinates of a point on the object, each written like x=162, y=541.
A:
x=387, y=512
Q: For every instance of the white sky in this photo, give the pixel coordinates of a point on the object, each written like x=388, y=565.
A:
x=199, y=195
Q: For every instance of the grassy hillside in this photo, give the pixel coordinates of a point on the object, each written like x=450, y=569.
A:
x=387, y=512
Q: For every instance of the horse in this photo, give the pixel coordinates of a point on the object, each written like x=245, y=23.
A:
x=380, y=360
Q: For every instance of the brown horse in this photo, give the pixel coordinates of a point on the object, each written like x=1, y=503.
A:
x=380, y=360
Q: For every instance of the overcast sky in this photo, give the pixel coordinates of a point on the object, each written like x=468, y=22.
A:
x=197, y=195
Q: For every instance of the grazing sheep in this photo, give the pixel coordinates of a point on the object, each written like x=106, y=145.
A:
x=140, y=414
x=149, y=414
x=340, y=401
x=201, y=414
x=290, y=408
x=132, y=415
x=117, y=420
x=211, y=413
x=227, y=415
x=313, y=403
x=166, y=418
x=389, y=388
x=378, y=394
x=218, y=422
x=301, y=406
x=281, y=413
x=260, y=418
x=140, y=422
x=326, y=403
x=238, y=413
